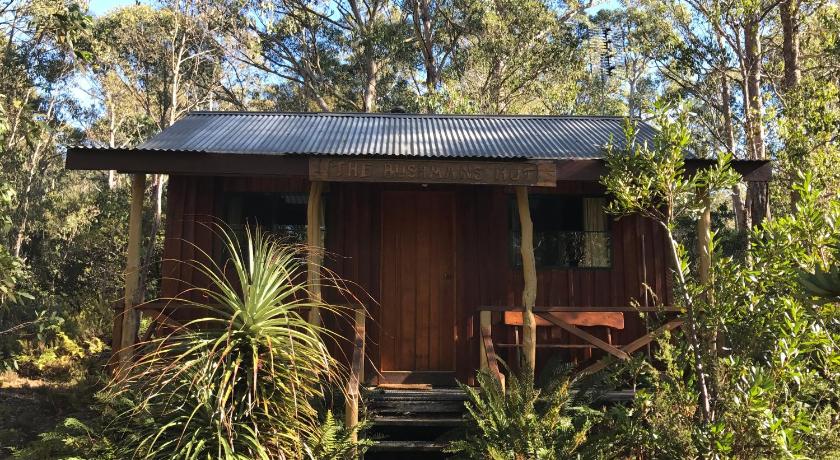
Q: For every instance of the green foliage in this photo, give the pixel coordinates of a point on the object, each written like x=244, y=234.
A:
x=524, y=422
x=11, y=267
x=755, y=373
x=651, y=180
x=71, y=439
x=239, y=382
x=59, y=359
x=660, y=421
x=333, y=440
x=822, y=283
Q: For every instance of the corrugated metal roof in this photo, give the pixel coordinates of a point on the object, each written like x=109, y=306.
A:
x=395, y=134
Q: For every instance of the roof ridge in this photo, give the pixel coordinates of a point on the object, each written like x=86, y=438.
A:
x=406, y=115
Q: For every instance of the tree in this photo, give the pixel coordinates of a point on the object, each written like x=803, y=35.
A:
x=651, y=181
x=770, y=392
x=520, y=51
x=338, y=55
x=153, y=66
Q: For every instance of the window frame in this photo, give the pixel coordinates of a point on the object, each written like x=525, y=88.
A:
x=515, y=256
x=238, y=228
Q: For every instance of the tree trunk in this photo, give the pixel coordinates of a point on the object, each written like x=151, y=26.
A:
x=112, y=132
x=423, y=32
x=315, y=254
x=789, y=15
x=371, y=70
x=757, y=194
x=701, y=375
x=754, y=103
x=728, y=135
x=789, y=12
x=529, y=272
x=133, y=292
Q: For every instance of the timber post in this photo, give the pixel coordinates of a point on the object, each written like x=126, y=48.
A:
x=357, y=372
x=129, y=319
x=529, y=272
x=484, y=322
x=315, y=249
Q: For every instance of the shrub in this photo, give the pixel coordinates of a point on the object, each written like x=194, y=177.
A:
x=334, y=441
x=239, y=382
x=61, y=359
x=525, y=422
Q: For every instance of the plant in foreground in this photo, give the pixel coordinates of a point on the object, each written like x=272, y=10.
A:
x=334, y=441
x=525, y=422
x=239, y=382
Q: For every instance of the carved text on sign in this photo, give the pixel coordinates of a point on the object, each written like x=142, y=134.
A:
x=433, y=171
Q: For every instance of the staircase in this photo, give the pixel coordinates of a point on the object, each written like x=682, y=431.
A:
x=413, y=424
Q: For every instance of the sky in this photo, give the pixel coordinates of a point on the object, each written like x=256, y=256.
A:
x=99, y=7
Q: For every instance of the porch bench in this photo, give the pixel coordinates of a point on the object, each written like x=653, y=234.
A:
x=608, y=320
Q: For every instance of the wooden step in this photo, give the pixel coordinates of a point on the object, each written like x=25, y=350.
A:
x=416, y=407
x=408, y=446
x=417, y=421
x=379, y=394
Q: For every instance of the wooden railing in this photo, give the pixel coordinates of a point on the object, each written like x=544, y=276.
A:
x=357, y=369
x=558, y=317
x=490, y=356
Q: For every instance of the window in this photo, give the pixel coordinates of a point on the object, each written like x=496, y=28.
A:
x=280, y=214
x=569, y=232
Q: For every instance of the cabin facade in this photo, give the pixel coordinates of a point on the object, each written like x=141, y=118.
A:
x=419, y=214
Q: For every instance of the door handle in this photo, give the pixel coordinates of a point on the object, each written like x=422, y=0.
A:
x=447, y=276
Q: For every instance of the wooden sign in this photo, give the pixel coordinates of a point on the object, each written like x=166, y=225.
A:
x=536, y=173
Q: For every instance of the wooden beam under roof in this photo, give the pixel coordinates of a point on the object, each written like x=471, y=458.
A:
x=279, y=165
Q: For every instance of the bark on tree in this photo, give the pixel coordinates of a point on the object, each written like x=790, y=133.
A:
x=371, y=77
x=133, y=292
x=728, y=134
x=704, y=260
x=700, y=372
x=757, y=192
x=315, y=252
x=789, y=15
x=529, y=272
x=422, y=21
x=789, y=12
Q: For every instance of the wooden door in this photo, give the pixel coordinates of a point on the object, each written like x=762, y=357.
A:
x=417, y=339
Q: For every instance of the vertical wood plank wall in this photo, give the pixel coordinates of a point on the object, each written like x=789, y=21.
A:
x=484, y=273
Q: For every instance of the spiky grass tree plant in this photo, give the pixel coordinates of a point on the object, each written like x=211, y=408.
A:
x=240, y=381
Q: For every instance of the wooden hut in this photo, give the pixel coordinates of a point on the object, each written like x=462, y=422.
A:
x=421, y=213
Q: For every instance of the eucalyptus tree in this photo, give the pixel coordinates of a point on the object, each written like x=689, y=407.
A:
x=440, y=32
x=804, y=65
x=706, y=45
x=623, y=60
x=152, y=66
x=340, y=55
x=523, y=56
x=167, y=59
x=38, y=47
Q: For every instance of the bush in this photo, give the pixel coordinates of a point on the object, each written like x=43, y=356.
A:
x=62, y=359
x=525, y=422
x=334, y=441
x=239, y=382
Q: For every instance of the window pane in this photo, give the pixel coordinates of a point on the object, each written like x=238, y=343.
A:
x=569, y=231
x=280, y=214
